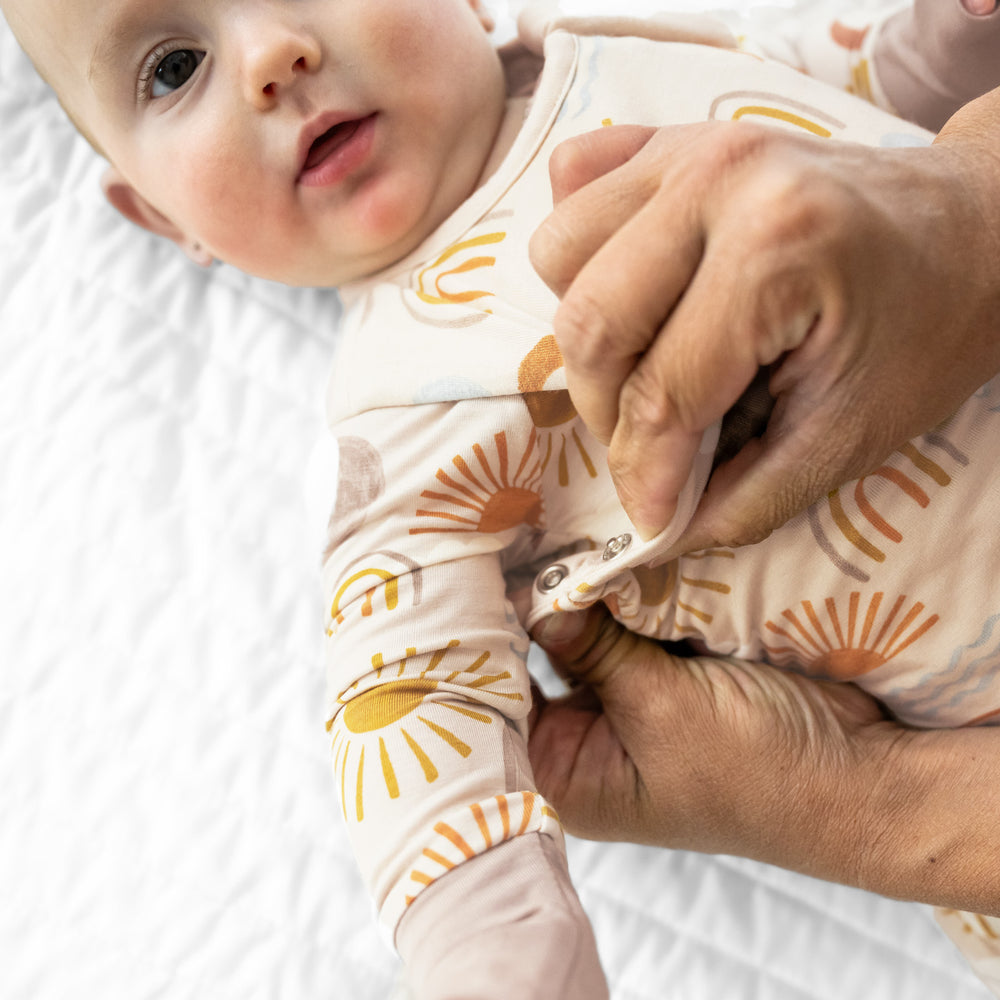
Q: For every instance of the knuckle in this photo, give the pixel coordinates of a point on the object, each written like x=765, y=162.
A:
x=726, y=147
x=733, y=533
x=569, y=162
x=649, y=403
x=545, y=251
x=586, y=333
x=624, y=476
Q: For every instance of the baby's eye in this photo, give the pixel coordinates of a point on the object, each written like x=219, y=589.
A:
x=171, y=71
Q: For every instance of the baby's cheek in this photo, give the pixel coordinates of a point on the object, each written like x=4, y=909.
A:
x=387, y=207
x=402, y=208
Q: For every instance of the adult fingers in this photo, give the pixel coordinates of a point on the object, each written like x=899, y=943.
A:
x=633, y=272
x=750, y=301
x=585, y=158
x=812, y=445
x=584, y=646
x=590, y=205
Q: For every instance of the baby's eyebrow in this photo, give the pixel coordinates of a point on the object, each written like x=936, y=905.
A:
x=117, y=36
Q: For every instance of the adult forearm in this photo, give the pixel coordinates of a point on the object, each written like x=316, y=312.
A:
x=908, y=814
x=934, y=831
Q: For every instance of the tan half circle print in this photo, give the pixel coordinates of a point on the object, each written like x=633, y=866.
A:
x=774, y=109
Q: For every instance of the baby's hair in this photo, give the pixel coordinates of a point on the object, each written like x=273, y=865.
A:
x=74, y=121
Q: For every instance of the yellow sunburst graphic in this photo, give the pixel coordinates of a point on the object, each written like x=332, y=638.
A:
x=402, y=725
x=485, y=495
x=552, y=411
x=700, y=584
x=665, y=601
x=844, y=643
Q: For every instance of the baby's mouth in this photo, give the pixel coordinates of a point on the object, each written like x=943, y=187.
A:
x=329, y=156
x=329, y=142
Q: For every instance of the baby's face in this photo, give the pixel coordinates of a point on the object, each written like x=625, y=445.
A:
x=308, y=141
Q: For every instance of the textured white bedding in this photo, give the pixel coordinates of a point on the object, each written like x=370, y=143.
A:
x=168, y=828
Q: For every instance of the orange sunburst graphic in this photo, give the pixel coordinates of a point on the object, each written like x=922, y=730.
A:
x=476, y=829
x=552, y=412
x=668, y=601
x=484, y=496
x=393, y=732
x=849, y=642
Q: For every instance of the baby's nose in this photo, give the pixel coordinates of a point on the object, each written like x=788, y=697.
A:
x=274, y=57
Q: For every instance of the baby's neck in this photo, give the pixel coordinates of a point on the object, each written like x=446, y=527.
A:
x=511, y=124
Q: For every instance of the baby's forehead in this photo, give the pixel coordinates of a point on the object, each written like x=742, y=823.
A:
x=52, y=34
x=42, y=26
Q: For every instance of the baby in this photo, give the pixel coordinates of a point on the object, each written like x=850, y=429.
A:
x=385, y=146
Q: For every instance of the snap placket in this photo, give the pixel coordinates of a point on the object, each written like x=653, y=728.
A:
x=550, y=578
x=616, y=546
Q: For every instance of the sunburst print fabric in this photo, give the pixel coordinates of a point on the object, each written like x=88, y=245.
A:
x=473, y=503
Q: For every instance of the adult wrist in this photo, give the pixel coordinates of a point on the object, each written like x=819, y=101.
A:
x=930, y=831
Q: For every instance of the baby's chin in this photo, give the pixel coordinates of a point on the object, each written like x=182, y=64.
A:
x=398, y=213
x=386, y=223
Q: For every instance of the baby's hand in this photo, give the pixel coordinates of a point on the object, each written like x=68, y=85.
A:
x=505, y=924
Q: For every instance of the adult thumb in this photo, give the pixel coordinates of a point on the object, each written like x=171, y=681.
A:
x=584, y=647
x=577, y=162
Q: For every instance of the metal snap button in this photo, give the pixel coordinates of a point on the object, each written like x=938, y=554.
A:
x=616, y=546
x=550, y=578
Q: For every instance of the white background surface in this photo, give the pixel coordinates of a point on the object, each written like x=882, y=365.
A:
x=168, y=825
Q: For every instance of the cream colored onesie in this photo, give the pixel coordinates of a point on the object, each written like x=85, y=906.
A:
x=472, y=502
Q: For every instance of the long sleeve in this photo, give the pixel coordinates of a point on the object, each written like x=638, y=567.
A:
x=921, y=60
x=428, y=702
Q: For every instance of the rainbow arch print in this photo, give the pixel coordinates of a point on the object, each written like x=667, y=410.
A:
x=390, y=576
x=858, y=527
x=775, y=109
x=455, y=289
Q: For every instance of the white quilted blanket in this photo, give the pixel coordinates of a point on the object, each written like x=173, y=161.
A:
x=169, y=829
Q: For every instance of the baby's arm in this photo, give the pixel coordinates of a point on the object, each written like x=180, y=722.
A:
x=429, y=697
x=922, y=61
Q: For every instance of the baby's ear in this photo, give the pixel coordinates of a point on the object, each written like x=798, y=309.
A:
x=124, y=197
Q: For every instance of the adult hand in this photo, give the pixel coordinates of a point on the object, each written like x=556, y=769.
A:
x=724, y=756
x=690, y=258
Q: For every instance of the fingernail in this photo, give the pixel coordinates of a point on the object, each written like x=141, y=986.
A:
x=563, y=626
x=646, y=532
x=646, y=527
